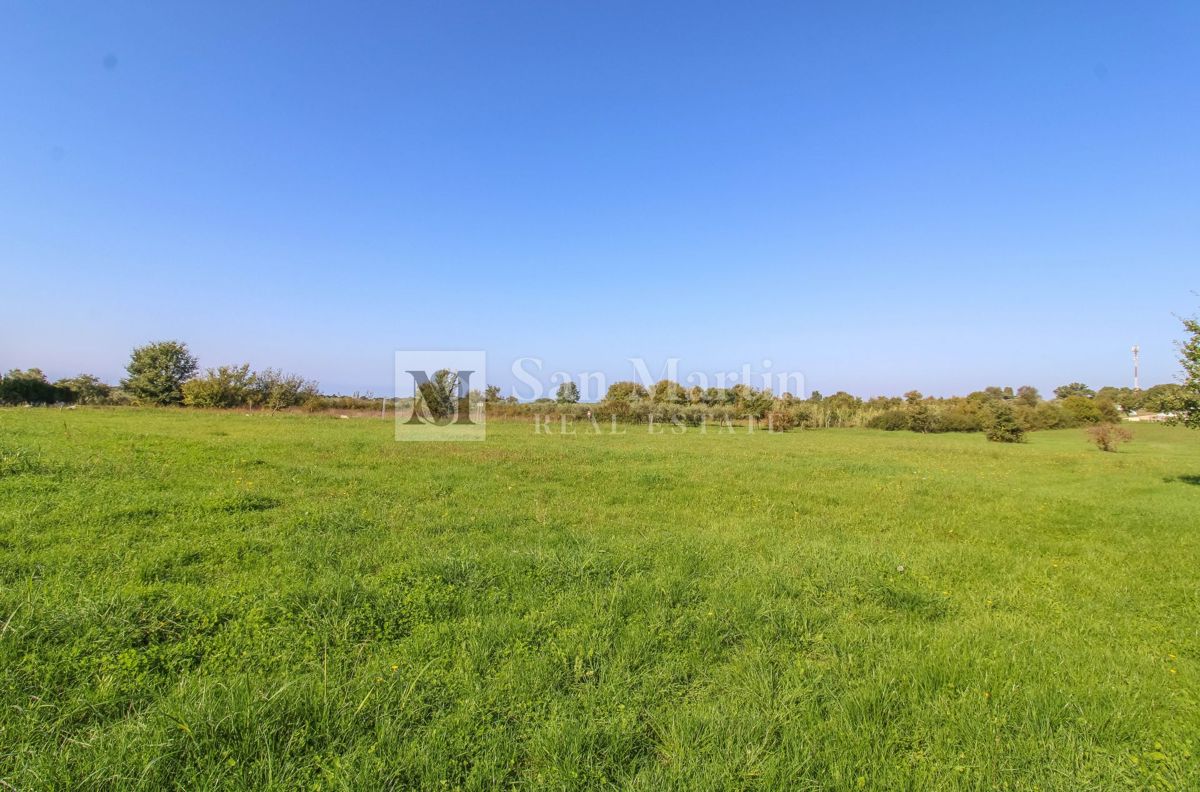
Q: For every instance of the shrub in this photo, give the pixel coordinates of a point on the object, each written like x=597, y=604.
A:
x=1046, y=415
x=1082, y=410
x=1003, y=426
x=1108, y=411
x=85, y=389
x=315, y=404
x=889, y=420
x=275, y=390
x=780, y=420
x=226, y=386
x=958, y=420
x=802, y=415
x=1108, y=436
x=921, y=418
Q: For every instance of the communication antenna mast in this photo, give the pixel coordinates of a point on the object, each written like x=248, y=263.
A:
x=1136, y=386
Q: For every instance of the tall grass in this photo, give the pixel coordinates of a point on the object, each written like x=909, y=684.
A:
x=201, y=599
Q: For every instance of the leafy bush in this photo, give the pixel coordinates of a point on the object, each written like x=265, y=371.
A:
x=959, y=420
x=780, y=420
x=889, y=420
x=1046, y=415
x=226, y=386
x=1108, y=436
x=275, y=390
x=1003, y=426
x=921, y=418
x=1108, y=411
x=1081, y=410
x=802, y=415
x=85, y=389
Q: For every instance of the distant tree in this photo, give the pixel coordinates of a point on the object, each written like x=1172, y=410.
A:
x=226, y=386
x=29, y=387
x=1081, y=409
x=491, y=393
x=755, y=402
x=1002, y=425
x=625, y=391
x=996, y=392
x=815, y=397
x=1123, y=397
x=1109, y=412
x=1161, y=398
x=439, y=394
x=568, y=393
x=715, y=396
x=1028, y=395
x=85, y=389
x=1073, y=389
x=667, y=392
x=157, y=372
x=842, y=401
x=913, y=396
x=695, y=395
x=1187, y=402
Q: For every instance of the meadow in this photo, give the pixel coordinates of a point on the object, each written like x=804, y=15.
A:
x=202, y=599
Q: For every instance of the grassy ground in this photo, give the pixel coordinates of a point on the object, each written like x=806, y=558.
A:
x=196, y=599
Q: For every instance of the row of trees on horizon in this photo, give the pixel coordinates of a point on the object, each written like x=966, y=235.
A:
x=165, y=373
x=1019, y=410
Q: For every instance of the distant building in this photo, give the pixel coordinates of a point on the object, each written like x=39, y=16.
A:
x=1149, y=417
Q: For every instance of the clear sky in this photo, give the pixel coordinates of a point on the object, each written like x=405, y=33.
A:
x=882, y=196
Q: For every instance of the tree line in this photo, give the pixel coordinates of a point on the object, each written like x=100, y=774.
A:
x=1004, y=413
x=166, y=373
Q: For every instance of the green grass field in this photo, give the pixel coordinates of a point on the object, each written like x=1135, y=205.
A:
x=196, y=600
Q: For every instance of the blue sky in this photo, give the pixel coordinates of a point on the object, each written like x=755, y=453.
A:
x=881, y=196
